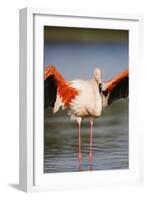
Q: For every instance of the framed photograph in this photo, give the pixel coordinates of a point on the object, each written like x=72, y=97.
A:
x=79, y=120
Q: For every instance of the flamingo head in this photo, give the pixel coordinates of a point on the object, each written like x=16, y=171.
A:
x=97, y=75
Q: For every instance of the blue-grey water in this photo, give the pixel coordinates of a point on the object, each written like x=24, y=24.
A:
x=110, y=141
x=78, y=60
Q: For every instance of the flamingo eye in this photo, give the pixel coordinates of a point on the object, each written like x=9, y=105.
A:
x=100, y=87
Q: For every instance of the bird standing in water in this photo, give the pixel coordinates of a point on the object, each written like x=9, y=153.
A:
x=84, y=99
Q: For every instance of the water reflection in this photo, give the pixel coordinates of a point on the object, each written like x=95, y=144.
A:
x=110, y=141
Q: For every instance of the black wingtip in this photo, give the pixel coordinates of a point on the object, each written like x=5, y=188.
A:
x=121, y=90
x=50, y=92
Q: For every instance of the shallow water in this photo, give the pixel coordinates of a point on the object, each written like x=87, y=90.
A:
x=110, y=141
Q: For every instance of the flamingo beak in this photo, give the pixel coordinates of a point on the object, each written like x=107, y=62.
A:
x=100, y=87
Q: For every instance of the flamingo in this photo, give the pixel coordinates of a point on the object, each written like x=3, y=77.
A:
x=83, y=98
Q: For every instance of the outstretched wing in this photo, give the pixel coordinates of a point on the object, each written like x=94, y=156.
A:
x=116, y=88
x=57, y=91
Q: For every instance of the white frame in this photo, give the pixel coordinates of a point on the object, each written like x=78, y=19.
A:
x=31, y=85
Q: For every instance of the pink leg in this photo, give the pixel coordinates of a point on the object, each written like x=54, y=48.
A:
x=90, y=154
x=79, y=139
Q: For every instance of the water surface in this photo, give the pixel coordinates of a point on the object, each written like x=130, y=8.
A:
x=110, y=141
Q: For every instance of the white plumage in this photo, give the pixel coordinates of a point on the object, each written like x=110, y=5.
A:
x=89, y=101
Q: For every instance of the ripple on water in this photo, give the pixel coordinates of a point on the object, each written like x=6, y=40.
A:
x=110, y=141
